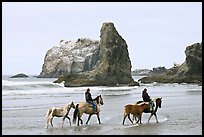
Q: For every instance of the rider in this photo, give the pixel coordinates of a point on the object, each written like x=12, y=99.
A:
x=89, y=99
x=146, y=98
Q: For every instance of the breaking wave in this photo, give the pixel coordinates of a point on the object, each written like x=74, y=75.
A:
x=27, y=85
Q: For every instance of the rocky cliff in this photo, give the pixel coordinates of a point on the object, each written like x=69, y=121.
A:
x=188, y=72
x=70, y=57
x=113, y=66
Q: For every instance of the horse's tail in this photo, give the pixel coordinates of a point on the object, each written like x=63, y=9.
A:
x=125, y=111
x=76, y=111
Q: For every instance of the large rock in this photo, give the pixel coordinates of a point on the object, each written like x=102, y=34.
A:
x=113, y=67
x=188, y=72
x=70, y=57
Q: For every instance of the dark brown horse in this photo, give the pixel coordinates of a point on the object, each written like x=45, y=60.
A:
x=87, y=108
x=158, y=102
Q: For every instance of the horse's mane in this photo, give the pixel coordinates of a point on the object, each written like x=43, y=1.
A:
x=68, y=105
x=96, y=98
x=154, y=99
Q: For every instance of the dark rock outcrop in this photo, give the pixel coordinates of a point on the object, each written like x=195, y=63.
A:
x=146, y=72
x=157, y=71
x=140, y=72
x=113, y=67
x=20, y=75
x=188, y=72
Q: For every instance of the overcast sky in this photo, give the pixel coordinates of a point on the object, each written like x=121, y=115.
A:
x=157, y=33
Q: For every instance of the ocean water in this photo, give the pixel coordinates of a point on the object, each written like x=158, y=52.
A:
x=25, y=102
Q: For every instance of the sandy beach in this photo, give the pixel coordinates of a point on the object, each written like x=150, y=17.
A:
x=180, y=114
x=25, y=103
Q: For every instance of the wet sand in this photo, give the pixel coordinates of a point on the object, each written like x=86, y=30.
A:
x=181, y=114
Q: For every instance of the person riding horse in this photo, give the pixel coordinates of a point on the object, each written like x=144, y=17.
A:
x=89, y=99
x=146, y=98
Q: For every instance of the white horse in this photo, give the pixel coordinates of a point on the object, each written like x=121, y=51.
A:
x=58, y=112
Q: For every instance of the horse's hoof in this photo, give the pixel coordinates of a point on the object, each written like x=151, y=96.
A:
x=137, y=124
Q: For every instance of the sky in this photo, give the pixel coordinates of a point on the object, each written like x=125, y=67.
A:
x=157, y=33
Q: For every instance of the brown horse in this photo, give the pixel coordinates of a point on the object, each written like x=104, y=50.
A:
x=158, y=102
x=87, y=108
x=135, y=110
x=58, y=112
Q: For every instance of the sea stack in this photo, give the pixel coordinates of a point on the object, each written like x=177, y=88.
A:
x=113, y=66
x=188, y=72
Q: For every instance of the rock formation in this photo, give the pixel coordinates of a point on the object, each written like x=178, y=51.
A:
x=20, y=75
x=70, y=57
x=113, y=66
x=157, y=71
x=140, y=72
x=188, y=72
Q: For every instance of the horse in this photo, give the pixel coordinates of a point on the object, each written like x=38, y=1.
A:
x=58, y=112
x=87, y=108
x=135, y=110
x=158, y=102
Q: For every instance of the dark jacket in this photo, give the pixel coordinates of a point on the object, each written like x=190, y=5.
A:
x=145, y=96
x=88, y=97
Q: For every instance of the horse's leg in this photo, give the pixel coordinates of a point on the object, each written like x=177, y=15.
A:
x=81, y=121
x=150, y=117
x=140, y=118
x=137, y=118
x=79, y=118
x=124, y=119
x=99, y=121
x=88, y=118
x=51, y=118
x=63, y=120
x=133, y=118
x=130, y=119
x=47, y=121
x=47, y=117
x=156, y=117
x=78, y=121
x=69, y=120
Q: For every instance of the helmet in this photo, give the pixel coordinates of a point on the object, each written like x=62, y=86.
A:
x=145, y=90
